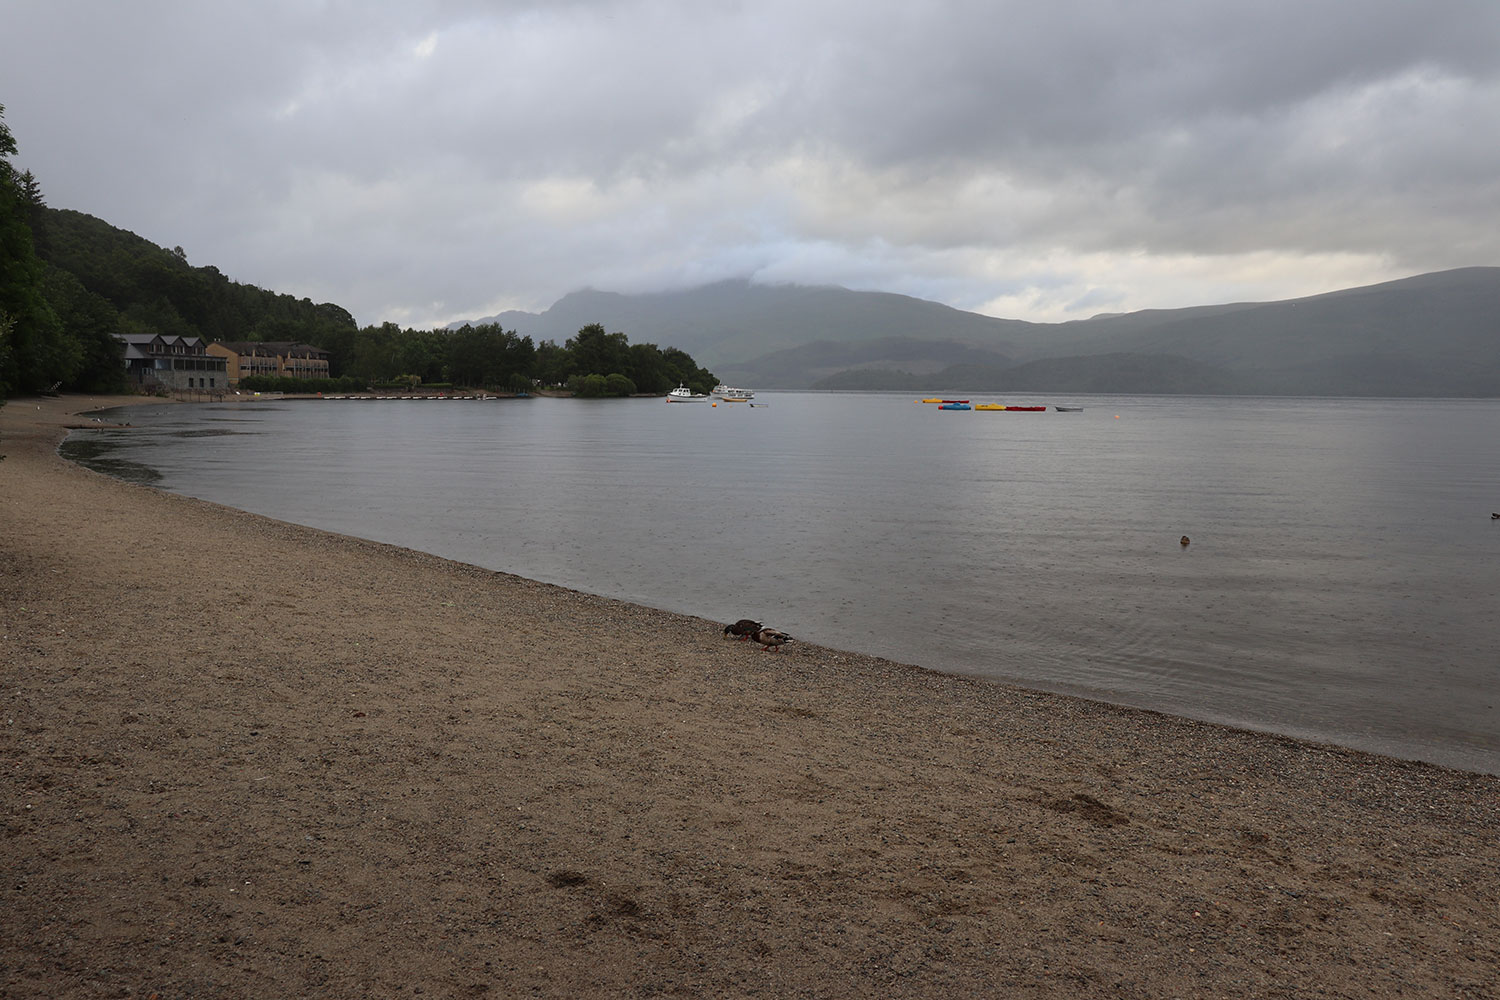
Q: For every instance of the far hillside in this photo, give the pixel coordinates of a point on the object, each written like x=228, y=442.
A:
x=1430, y=335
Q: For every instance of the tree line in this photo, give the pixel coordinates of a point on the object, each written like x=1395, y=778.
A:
x=590, y=363
x=69, y=282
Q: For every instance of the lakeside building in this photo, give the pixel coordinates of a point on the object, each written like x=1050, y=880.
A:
x=274, y=358
x=177, y=364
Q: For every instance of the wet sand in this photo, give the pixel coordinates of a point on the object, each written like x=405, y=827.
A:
x=244, y=758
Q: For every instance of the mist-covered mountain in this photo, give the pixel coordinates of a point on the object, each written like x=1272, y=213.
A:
x=1430, y=335
x=735, y=321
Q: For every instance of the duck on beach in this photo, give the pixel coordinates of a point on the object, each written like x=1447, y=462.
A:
x=743, y=629
x=773, y=639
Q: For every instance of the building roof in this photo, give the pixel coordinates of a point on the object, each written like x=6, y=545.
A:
x=145, y=345
x=264, y=348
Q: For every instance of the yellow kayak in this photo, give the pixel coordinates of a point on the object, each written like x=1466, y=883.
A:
x=932, y=400
x=989, y=406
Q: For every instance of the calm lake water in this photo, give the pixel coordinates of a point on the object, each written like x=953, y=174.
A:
x=1342, y=581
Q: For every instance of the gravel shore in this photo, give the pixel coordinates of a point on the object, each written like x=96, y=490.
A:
x=244, y=758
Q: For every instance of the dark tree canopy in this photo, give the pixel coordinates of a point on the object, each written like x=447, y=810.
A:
x=35, y=352
x=593, y=363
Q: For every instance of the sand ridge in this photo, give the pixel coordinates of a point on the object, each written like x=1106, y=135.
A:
x=311, y=765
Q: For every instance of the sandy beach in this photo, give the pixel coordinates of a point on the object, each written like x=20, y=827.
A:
x=244, y=758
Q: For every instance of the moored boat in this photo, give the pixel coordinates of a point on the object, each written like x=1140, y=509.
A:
x=1068, y=409
x=955, y=405
x=682, y=394
x=730, y=394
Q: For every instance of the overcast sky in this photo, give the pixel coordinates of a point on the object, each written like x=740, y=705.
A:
x=1043, y=159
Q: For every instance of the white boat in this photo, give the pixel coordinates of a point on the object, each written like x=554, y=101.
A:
x=682, y=394
x=729, y=392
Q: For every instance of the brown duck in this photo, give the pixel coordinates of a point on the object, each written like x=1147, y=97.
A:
x=743, y=629
x=770, y=638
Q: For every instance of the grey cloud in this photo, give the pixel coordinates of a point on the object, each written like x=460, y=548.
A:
x=433, y=160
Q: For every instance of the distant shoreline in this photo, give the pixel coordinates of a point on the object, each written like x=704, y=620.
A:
x=246, y=757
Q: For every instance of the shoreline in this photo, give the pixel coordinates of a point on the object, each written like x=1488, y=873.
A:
x=1265, y=689
x=248, y=757
x=1077, y=691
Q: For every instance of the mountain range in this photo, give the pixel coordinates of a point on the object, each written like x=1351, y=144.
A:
x=1430, y=335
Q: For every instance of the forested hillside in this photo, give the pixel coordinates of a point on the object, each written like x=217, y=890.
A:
x=69, y=282
x=156, y=290
x=102, y=280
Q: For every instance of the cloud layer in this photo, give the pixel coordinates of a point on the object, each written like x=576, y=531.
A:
x=421, y=162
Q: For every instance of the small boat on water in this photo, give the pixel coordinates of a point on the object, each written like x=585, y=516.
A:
x=933, y=399
x=955, y=405
x=730, y=394
x=1068, y=409
x=682, y=394
x=989, y=406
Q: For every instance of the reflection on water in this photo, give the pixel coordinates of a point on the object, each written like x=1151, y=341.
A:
x=97, y=452
x=206, y=432
x=1341, y=583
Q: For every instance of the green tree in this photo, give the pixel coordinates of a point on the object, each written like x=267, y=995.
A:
x=374, y=357
x=40, y=353
x=596, y=352
x=424, y=353
x=588, y=386
x=488, y=356
x=6, y=326
x=597, y=386
x=616, y=384
x=518, y=363
x=91, y=322
x=648, y=369
x=685, y=371
x=553, y=363
x=335, y=331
